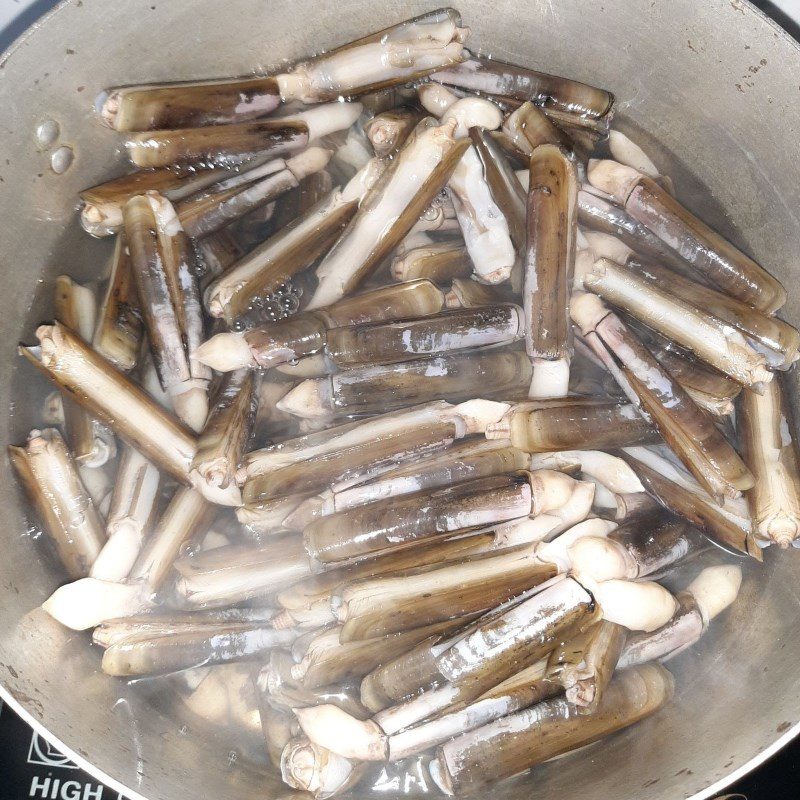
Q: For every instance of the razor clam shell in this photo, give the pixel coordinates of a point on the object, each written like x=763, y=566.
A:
x=706, y=251
x=456, y=377
x=161, y=655
x=518, y=742
x=586, y=664
x=520, y=635
x=694, y=327
x=388, y=131
x=598, y=214
x=778, y=340
x=190, y=104
x=655, y=544
x=528, y=127
x=489, y=75
x=222, y=442
x=102, y=211
x=468, y=293
x=233, y=573
x=119, y=331
x=462, y=461
x=211, y=211
x=421, y=596
x=217, y=145
x=402, y=53
x=312, y=595
x=187, y=516
x=114, y=399
x=50, y=478
x=686, y=427
x=438, y=261
x=567, y=425
x=506, y=190
x=445, y=332
x=680, y=633
x=292, y=249
x=766, y=429
x=396, y=522
x=389, y=210
x=325, y=660
x=354, y=465
x=698, y=508
x=550, y=254
x=75, y=306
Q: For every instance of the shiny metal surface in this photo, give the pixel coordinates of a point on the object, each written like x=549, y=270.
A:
x=712, y=81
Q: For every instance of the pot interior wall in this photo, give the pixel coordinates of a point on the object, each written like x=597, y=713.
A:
x=710, y=87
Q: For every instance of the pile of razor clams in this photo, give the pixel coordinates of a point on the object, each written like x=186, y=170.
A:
x=408, y=378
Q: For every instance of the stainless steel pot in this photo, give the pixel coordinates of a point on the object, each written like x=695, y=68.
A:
x=713, y=81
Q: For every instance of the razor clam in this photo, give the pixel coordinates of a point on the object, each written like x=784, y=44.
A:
x=50, y=478
x=161, y=262
x=445, y=332
x=708, y=387
x=266, y=518
x=464, y=460
x=353, y=465
x=766, y=429
x=694, y=327
x=396, y=522
x=468, y=293
x=89, y=443
x=119, y=330
x=187, y=105
x=491, y=76
x=528, y=127
x=389, y=210
x=556, y=551
x=636, y=550
x=145, y=655
x=683, y=496
x=307, y=603
x=345, y=734
x=305, y=334
x=707, y=596
x=482, y=222
x=222, y=442
x=233, y=573
x=133, y=505
x=230, y=145
x=627, y=152
x=569, y=509
x=309, y=192
x=470, y=417
x=370, y=607
x=703, y=248
x=388, y=131
x=542, y=426
x=584, y=665
x=519, y=741
x=506, y=190
x=322, y=659
x=456, y=377
x=187, y=517
x=598, y=214
x=292, y=249
x=549, y=262
x=775, y=339
x=313, y=769
x=101, y=214
x=438, y=261
x=148, y=625
x=396, y=55
x=208, y=212
x=688, y=429
x=634, y=504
